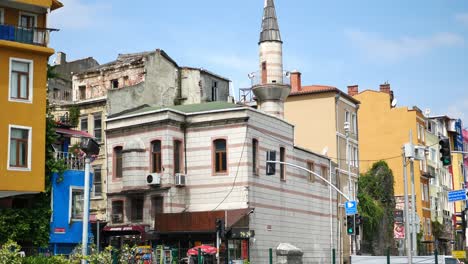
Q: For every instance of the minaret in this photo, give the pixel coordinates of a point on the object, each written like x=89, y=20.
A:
x=269, y=88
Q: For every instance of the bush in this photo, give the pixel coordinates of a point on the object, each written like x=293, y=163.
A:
x=46, y=260
x=9, y=253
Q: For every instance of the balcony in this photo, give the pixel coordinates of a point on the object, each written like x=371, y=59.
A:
x=33, y=36
x=73, y=162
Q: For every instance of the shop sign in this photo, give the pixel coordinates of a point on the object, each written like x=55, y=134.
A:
x=242, y=233
x=459, y=254
x=124, y=228
x=59, y=230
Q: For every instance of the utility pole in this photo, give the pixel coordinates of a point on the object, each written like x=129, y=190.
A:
x=348, y=160
x=413, y=201
x=406, y=209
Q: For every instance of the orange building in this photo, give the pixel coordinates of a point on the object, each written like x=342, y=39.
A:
x=24, y=53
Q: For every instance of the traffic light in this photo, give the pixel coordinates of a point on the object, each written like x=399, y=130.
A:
x=350, y=224
x=445, y=152
x=270, y=167
x=357, y=222
x=461, y=223
x=220, y=227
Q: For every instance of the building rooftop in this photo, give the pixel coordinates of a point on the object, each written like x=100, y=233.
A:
x=316, y=89
x=190, y=108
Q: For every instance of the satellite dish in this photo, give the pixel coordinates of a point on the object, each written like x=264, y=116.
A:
x=325, y=151
x=287, y=74
x=427, y=112
x=394, y=102
x=251, y=75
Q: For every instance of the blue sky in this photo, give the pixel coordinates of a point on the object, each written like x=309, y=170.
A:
x=419, y=47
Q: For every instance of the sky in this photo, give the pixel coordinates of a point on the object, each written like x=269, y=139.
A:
x=420, y=47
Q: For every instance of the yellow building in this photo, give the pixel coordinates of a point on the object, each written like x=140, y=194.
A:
x=383, y=130
x=23, y=66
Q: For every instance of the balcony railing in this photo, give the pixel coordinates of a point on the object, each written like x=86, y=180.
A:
x=34, y=36
x=72, y=161
x=257, y=78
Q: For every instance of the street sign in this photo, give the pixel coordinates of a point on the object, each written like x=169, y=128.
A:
x=459, y=254
x=351, y=207
x=459, y=195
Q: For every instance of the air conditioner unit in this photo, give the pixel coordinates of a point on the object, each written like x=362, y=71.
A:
x=179, y=179
x=153, y=179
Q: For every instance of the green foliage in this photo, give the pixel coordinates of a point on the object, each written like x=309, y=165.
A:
x=46, y=260
x=9, y=253
x=376, y=206
x=103, y=257
x=127, y=254
x=74, y=115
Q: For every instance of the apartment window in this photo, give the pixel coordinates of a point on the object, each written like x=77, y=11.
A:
x=354, y=123
x=347, y=117
x=97, y=182
x=98, y=126
x=27, y=21
x=114, y=84
x=177, y=155
x=220, y=155
x=282, y=166
x=20, y=142
x=76, y=204
x=433, y=155
x=118, y=162
x=254, y=156
x=2, y=16
x=428, y=223
x=156, y=157
x=137, y=208
x=117, y=212
x=355, y=156
x=84, y=124
x=21, y=79
x=310, y=166
x=82, y=92
x=214, y=91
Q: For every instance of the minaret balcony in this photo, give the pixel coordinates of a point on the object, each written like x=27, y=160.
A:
x=261, y=78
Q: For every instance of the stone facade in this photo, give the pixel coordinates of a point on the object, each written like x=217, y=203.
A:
x=295, y=208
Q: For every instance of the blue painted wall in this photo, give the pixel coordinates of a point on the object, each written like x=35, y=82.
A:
x=60, y=209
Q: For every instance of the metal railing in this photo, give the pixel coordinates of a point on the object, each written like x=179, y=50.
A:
x=34, y=36
x=256, y=78
x=72, y=161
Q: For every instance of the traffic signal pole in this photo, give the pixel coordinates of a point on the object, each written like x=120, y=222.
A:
x=407, y=235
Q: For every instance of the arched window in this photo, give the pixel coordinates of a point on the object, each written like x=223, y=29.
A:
x=220, y=156
x=118, y=162
x=156, y=157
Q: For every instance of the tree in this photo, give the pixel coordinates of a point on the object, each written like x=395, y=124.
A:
x=376, y=206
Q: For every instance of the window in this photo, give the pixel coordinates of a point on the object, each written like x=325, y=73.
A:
x=310, y=166
x=98, y=126
x=347, y=117
x=2, y=16
x=433, y=155
x=97, y=183
x=324, y=173
x=137, y=208
x=82, y=91
x=84, y=124
x=117, y=212
x=118, y=162
x=114, y=84
x=177, y=155
x=254, y=156
x=27, y=21
x=355, y=157
x=156, y=157
x=220, y=155
x=354, y=123
x=157, y=205
x=21, y=79
x=76, y=204
x=214, y=91
x=428, y=223
x=20, y=147
x=282, y=166
x=264, y=72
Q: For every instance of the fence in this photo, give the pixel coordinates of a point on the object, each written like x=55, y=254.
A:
x=395, y=260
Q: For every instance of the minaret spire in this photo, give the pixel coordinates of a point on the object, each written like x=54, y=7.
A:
x=270, y=28
x=271, y=88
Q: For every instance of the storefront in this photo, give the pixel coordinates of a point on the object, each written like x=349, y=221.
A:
x=117, y=236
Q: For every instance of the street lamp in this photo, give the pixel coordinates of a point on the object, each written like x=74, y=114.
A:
x=91, y=148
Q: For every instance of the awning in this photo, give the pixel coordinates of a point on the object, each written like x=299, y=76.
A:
x=73, y=133
x=198, y=222
x=126, y=230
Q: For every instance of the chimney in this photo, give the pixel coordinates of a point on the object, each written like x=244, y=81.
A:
x=296, y=84
x=61, y=58
x=353, y=90
x=385, y=88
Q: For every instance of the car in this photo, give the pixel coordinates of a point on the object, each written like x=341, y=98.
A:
x=452, y=260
